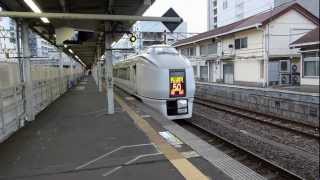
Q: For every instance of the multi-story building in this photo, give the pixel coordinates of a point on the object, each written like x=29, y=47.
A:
x=8, y=48
x=39, y=46
x=254, y=51
x=224, y=12
x=212, y=14
x=148, y=33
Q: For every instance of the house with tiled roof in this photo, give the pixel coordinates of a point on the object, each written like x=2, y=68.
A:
x=254, y=51
x=309, y=46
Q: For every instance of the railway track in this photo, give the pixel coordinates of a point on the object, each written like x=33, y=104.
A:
x=289, y=125
x=257, y=163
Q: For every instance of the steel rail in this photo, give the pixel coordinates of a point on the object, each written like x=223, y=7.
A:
x=225, y=140
x=310, y=132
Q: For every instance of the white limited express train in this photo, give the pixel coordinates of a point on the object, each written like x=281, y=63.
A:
x=161, y=78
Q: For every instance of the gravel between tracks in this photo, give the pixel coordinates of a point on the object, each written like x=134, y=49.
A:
x=255, y=139
x=304, y=143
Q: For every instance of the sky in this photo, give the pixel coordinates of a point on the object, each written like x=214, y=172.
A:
x=194, y=12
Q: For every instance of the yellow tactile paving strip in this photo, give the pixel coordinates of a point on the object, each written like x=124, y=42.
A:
x=185, y=167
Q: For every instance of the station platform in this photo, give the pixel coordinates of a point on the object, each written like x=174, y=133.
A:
x=74, y=138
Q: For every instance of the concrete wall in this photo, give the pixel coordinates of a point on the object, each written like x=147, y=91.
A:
x=299, y=107
x=310, y=81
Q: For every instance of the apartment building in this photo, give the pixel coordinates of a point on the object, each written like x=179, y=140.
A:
x=254, y=51
x=8, y=38
x=223, y=12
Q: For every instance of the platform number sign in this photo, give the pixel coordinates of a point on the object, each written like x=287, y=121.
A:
x=177, y=83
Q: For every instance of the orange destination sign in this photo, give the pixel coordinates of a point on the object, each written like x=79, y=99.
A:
x=177, y=83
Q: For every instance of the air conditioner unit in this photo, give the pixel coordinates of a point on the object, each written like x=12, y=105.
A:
x=294, y=68
x=284, y=79
x=285, y=66
x=295, y=79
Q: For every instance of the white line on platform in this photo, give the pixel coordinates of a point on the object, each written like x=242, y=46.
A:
x=110, y=152
x=112, y=171
x=129, y=162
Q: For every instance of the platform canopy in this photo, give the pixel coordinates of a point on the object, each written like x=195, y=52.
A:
x=84, y=16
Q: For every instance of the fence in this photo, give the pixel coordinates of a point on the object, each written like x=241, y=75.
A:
x=48, y=83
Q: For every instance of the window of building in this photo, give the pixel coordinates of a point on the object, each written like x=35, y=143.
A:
x=204, y=73
x=195, y=70
x=215, y=11
x=311, y=64
x=184, y=52
x=212, y=48
x=214, y=3
x=192, y=51
x=203, y=50
x=225, y=4
x=241, y=43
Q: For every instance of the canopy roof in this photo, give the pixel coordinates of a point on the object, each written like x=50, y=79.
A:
x=88, y=48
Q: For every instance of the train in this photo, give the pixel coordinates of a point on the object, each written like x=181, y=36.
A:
x=160, y=77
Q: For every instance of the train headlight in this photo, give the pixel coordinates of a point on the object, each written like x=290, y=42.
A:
x=182, y=105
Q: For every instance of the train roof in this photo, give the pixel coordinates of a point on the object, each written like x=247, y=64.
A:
x=161, y=55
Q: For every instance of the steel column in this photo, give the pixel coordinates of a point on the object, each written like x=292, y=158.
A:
x=99, y=69
x=108, y=70
x=28, y=90
x=61, y=82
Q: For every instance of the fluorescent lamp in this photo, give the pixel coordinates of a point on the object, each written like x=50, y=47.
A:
x=65, y=46
x=70, y=50
x=77, y=56
x=45, y=20
x=82, y=63
x=33, y=6
x=36, y=9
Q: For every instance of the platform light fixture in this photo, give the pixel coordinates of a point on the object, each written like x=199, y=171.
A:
x=70, y=50
x=36, y=9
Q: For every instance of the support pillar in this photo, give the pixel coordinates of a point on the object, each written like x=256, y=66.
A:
x=99, y=69
x=108, y=69
x=61, y=83
x=72, y=80
x=26, y=69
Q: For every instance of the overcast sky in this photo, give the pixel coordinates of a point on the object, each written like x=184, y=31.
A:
x=194, y=12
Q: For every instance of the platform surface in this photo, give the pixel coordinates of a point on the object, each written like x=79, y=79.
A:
x=75, y=139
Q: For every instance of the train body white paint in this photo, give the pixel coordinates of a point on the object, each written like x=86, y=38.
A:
x=161, y=78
